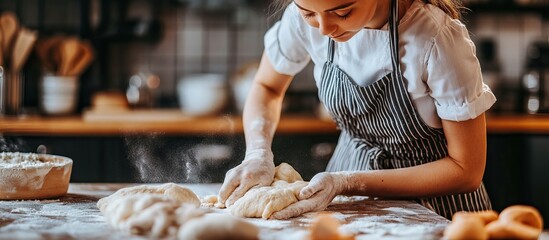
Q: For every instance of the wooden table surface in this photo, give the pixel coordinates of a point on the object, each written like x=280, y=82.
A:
x=75, y=216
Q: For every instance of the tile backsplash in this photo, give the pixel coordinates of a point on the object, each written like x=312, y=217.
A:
x=195, y=40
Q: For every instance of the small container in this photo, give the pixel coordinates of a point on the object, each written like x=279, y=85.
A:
x=12, y=95
x=202, y=94
x=58, y=94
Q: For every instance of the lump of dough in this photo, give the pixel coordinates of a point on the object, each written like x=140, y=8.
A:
x=170, y=190
x=486, y=216
x=517, y=222
x=326, y=227
x=143, y=214
x=149, y=214
x=217, y=226
x=466, y=228
x=264, y=201
x=287, y=173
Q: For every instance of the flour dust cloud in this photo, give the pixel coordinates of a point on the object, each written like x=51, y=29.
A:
x=158, y=158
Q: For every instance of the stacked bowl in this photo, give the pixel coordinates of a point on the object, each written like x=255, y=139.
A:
x=58, y=94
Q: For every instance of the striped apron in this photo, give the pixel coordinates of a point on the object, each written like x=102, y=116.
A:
x=380, y=128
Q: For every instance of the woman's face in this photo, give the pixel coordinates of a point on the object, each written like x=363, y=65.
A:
x=342, y=19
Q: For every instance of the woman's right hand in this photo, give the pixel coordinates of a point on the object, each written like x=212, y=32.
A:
x=257, y=169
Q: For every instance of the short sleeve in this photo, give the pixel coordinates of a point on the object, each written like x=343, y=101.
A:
x=454, y=76
x=285, y=44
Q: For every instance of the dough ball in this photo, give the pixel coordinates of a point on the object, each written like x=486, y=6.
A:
x=326, y=227
x=486, y=216
x=526, y=215
x=209, y=201
x=264, y=201
x=170, y=190
x=466, y=228
x=217, y=226
x=287, y=173
x=517, y=222
x=142, y=214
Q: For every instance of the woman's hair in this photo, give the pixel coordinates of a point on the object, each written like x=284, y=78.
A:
x=451, y=7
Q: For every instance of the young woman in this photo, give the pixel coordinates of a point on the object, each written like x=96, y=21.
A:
x=401, y=79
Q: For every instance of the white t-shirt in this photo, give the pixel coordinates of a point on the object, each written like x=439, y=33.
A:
x=437, y=59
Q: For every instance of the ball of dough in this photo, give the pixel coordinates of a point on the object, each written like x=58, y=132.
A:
x=466, y=228
x=217, y=226
x=287, y=173
x=486, y=216
x=326, y=227
x=526, y=215
x=170, y=190
x=516, y=222
x=142, y=214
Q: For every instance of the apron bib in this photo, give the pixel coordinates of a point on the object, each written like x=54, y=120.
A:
x=380, y=128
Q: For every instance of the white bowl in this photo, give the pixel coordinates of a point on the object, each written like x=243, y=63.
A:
x=203, y=94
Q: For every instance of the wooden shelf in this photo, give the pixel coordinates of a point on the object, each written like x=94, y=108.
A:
x=77, y=126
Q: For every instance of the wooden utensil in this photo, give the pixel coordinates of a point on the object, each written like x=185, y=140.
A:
x=1, y=52
x=69, y=51
x=84, y=58
x=22, y=48
x=10, y=26
x=49, y=53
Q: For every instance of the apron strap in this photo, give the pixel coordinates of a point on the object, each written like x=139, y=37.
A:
x=331, y=50
x=393, y=37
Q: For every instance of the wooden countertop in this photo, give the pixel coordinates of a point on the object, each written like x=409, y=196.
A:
x=175, y=123
x=75, y=216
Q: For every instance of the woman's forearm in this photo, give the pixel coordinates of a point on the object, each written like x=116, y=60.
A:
x=263, y=106
x=442, y=177
x=461, y=171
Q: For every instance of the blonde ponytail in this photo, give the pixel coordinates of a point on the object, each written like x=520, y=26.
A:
x=451, y=7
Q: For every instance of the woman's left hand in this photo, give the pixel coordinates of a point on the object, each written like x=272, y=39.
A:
x=316, y=196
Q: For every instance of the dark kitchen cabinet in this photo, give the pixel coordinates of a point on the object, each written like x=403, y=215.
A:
x=516, y=171
x=160, y=158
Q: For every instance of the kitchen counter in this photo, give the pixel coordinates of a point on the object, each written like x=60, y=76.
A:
x=173, y=122
x=75, y=216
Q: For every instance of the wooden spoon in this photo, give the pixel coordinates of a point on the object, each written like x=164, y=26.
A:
x=10, y=26
x=48, y=52
x=22, y=48
x=84, y=58
x=69, y=50
x=1, y=52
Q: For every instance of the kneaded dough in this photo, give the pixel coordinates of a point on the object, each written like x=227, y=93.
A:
x=262, y=202
x=142, y=214
x=149, y=214
x=169, y=190
x=287, y=173
x=217, y=226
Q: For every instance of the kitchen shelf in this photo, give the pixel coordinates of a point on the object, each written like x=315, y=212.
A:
x=171, y=125
x=221, y=125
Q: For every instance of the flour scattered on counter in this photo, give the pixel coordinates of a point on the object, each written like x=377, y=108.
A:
x=399, y=210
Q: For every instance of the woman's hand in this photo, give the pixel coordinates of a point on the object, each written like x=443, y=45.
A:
x=257, y=169
x=316, y=196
